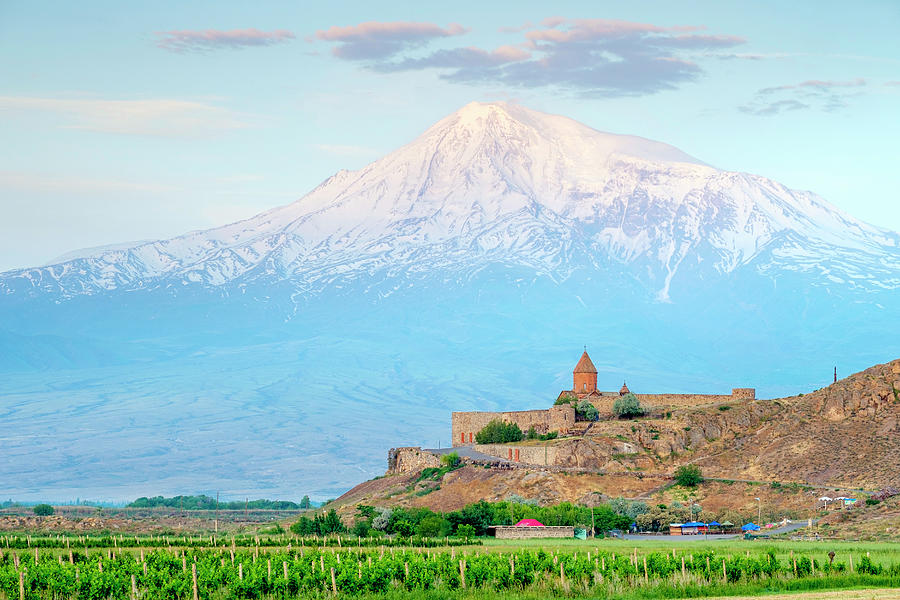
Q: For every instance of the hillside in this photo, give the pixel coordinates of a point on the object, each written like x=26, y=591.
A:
x=841, y=437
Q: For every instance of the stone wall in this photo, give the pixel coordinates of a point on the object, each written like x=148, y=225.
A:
x=545, y=454
x=604, y=405
x=410, y=458
x=511, y=532
x=465, y=425
x=743, y=394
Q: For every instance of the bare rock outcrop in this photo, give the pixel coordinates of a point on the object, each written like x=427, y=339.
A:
x=866, y=394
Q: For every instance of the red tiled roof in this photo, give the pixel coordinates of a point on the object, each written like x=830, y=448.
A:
x=585, y=365
x=529, y=523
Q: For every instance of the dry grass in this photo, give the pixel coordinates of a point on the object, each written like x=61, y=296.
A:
x=890, y=594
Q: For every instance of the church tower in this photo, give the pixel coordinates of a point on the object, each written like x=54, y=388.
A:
x=584, y=376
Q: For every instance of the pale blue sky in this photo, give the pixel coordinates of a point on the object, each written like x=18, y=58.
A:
x=123, y=121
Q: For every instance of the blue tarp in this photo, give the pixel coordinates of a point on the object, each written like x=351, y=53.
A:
x=694, y=524
x=715, y=524
x=750, y=527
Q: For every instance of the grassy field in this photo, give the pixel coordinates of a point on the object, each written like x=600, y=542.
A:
x=885, y=552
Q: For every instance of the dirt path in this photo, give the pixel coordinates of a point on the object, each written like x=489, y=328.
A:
x=877, y=594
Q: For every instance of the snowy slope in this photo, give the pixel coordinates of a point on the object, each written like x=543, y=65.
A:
x=499, y=183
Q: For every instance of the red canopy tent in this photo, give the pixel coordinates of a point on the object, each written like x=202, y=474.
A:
x=529, y=523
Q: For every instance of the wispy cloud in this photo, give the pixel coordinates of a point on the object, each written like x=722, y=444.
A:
x=595, y=57
x=187, y=40
x=157, y=117
x=816, y=85
x=379, y=40
x=827, y=95
x=749, y=55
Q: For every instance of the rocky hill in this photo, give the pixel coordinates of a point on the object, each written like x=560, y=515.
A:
x=842, y=437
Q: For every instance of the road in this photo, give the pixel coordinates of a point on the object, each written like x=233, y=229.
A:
x=714, y=537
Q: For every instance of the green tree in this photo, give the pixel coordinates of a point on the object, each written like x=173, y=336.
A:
x=627, y=406
x=499, y=432
x=331, y=523
x=585, y=411
x=465, y=530
x=361, y=528
x=43, y=510
x=403, y=528
x=305, y=526
x=431, y=526
x=305, y=503
x=688, y=476
x=628, y=508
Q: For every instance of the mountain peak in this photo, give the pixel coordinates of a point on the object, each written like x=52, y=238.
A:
x=501, y=121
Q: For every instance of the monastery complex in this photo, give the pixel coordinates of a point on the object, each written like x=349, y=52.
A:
x=561, y=417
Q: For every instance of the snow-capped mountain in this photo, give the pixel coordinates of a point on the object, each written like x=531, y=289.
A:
x=496, y=183
x=283, y=355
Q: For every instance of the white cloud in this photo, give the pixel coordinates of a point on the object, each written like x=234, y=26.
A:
x=156, y=117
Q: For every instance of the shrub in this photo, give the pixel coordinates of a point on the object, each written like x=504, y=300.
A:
x=627, y=406
x=566, y=399
x=381, y=521
x=450, y=460
x=43, y=510
x=361, y=528
x=872, y=501
x=585, y=411
x=275, y=529
x=688, y=475
x=499, y=432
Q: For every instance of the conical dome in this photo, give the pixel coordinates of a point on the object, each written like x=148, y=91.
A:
x=585, y=365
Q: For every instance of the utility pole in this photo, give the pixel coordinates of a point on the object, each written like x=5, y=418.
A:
x=217, y=514
x=835, y=374
x=759, y=515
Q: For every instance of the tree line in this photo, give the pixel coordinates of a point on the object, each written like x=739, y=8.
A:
x=204, y=502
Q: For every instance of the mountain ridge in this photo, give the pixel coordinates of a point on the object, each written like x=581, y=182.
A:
x=492, y=182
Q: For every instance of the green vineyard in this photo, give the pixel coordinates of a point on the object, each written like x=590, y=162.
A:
x=261, y=572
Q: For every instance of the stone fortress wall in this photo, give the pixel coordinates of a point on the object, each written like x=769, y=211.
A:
x=411, y=458
x=661, y=402
x=466, y=425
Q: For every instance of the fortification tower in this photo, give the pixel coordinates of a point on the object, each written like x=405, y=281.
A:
x=584, y=376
